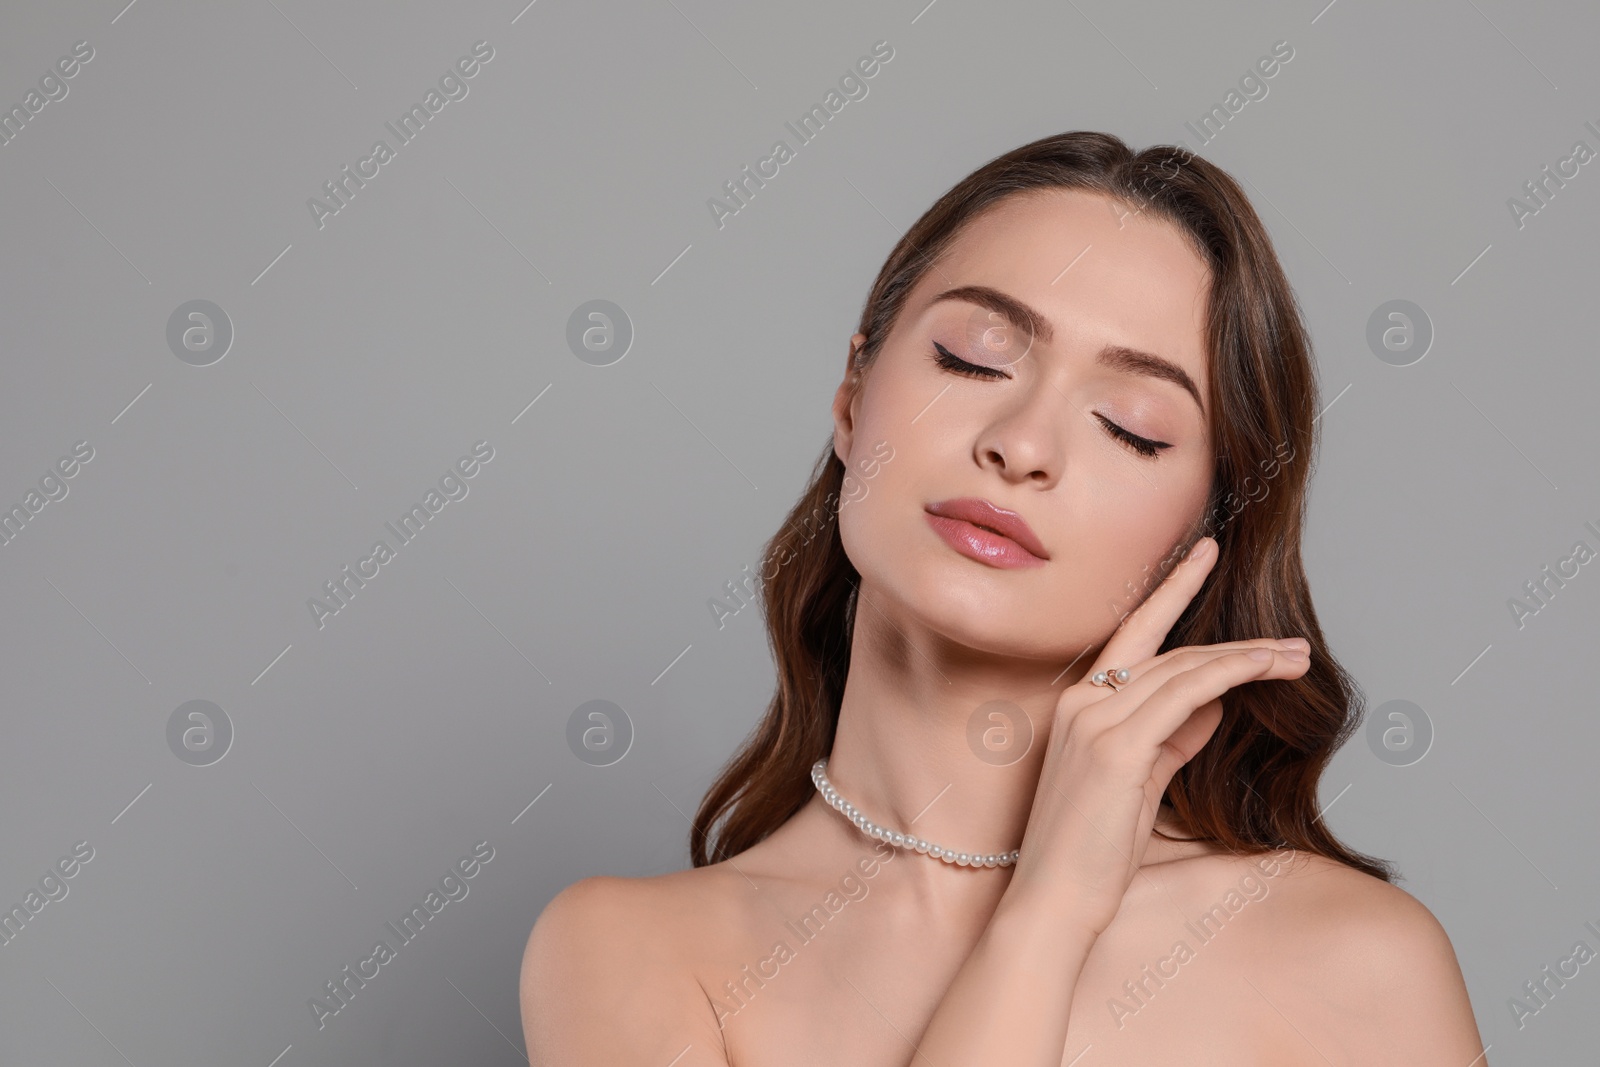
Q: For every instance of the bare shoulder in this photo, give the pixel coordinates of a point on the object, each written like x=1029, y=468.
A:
x=1347, y=946
x=1367, y=927
x=605, y=976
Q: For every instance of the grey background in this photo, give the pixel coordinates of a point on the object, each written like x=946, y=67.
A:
x=370, y=354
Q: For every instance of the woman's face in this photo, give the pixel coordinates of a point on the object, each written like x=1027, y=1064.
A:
x=1034, y=430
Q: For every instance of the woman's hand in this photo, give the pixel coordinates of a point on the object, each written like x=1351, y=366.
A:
x=1111, y=753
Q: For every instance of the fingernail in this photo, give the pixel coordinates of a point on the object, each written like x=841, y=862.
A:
x=1295, y=642
x=1296, y=656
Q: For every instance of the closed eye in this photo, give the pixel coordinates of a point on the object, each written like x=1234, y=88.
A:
x=1142, y=445
x=952, y=362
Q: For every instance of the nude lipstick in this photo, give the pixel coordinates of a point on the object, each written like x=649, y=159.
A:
x=986, y=533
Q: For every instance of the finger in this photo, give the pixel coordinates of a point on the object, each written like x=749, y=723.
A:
x=1186, y=741
x=1160, y=715
x=1144, y=677
x=1140, y=635
x=1189, y=738
x=1162, y=666
x=1277, y=644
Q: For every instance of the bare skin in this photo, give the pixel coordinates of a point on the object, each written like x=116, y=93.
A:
x=652, y=957
x=1106, y=943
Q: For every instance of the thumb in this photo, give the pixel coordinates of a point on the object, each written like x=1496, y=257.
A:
x=1186, y=742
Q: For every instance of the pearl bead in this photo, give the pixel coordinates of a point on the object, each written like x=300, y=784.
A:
x=819, y=778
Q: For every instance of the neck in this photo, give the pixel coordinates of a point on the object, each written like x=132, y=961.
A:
x=934, y=738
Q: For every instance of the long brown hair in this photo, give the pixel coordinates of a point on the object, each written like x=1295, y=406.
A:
x=1253, y=786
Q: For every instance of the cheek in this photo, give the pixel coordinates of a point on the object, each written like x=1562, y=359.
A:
x=1137, y=533
x=869, y=500
x=1146, y=521
x=853, y=489
x=891, y=454
x=886, y=475
x=1122, y=523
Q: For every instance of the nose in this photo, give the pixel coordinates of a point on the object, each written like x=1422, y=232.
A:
x=1024, y=443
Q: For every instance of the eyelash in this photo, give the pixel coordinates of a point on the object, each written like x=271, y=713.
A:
x=951, y=362
x=1142, y=445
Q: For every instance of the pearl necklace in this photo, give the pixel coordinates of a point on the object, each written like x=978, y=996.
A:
x=819, y=778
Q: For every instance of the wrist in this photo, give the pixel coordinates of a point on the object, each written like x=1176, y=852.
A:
x=1034, y=924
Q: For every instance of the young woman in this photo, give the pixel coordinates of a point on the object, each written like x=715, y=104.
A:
x=1038, y=785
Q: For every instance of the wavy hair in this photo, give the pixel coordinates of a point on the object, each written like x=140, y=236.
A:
x=1253, y=786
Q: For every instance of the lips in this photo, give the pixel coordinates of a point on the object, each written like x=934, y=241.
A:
x=986, y=532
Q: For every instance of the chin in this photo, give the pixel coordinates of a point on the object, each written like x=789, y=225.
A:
x=978, y=607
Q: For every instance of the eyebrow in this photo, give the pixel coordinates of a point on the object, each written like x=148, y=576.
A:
x=1116, y=357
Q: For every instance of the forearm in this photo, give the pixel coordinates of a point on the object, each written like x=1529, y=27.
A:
x=1009, y=1002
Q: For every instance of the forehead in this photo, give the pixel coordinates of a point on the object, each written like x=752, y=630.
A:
x=1098, y=272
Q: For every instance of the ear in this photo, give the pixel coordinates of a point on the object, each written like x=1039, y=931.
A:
x=846, y=400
